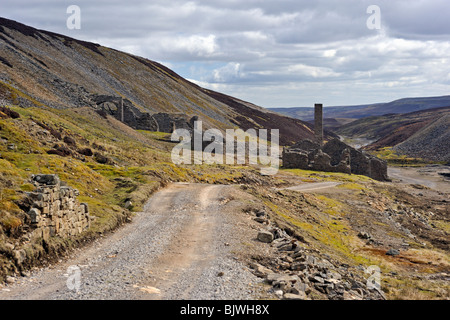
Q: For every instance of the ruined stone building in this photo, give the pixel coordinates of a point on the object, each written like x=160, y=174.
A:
x=124, y=111
x=333, y=156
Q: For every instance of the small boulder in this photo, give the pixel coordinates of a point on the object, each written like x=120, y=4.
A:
x=293, y=296
x=352, y=295
x=260, y=220
x=392, y=252
x=265, y=236
x=259, y=270
x=10, y=280
x=85, y=207
x=279, y=277
x=46, y=179
x=128, y=204
x=261, y=213
x=20, y=256
x=35, y=215
x=364, y=235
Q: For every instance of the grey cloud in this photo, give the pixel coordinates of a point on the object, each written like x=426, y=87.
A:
x=321, y=46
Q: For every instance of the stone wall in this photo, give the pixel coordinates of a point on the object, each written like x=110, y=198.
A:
x=167, y=122
x=55, y=210
x=314, y=160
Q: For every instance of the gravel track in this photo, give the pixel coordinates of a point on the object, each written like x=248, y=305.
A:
x=180, y=247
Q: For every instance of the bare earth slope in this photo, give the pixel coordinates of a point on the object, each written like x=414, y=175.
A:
x=431, y=142
x=422, y=134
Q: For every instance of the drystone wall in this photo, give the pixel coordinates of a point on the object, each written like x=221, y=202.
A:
x=55, y=210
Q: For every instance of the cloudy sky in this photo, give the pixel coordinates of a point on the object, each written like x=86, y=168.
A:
x=274, y=53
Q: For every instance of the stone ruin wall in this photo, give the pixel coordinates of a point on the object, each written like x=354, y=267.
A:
x=124, y=111
x=334, y=156
x=315, y=159
x=55, y=210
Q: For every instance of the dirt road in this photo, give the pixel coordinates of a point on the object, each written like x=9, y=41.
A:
x=180, y=247
x=427, y=176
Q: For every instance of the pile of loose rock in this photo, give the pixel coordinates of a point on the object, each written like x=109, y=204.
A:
x=297, y=272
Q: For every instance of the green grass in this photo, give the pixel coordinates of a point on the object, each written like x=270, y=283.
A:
x=393, y=158
x=155, y=134
x=327, y=176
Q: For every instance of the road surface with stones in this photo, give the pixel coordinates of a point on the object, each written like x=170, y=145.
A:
x=180, y=247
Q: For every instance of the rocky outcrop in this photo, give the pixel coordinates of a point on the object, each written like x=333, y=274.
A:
x=334, y=156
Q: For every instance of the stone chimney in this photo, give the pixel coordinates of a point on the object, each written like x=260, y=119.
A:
x=318, y=123
x=121, y=109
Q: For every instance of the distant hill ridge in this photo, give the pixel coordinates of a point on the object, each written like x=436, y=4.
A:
x=405, y=105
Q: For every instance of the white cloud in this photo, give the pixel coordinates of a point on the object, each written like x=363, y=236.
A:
x=195, y=45
x=311, y=71
x=329, y=53
x=227, y=73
